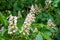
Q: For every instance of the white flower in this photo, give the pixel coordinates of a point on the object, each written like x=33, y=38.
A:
x=14, y=30
x=10, y=32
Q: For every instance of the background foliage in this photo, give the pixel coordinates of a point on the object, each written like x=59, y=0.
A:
x=8, y=7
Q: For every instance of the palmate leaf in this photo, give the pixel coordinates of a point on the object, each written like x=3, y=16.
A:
x=39, y=37
x=3, y=20
x=47, y=37
x=1, y=38
x=55, y=3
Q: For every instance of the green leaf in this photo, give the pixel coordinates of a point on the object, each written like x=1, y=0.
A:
x=3, y=20
x=39, y=37
x=46, y=36
x=55, y=3
x=0, y=38
x=48, y=33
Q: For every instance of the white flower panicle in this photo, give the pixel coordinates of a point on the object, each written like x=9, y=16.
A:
x=48, y=3
x=19, y=14
x=50, y=23
x=35, y=30
x=32, y=9
x=35, y=9
x=28, y=21
x=38, y=8
x=2, y=29
x=12, y=24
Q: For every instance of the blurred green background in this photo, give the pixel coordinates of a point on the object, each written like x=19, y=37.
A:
x=45, y=32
